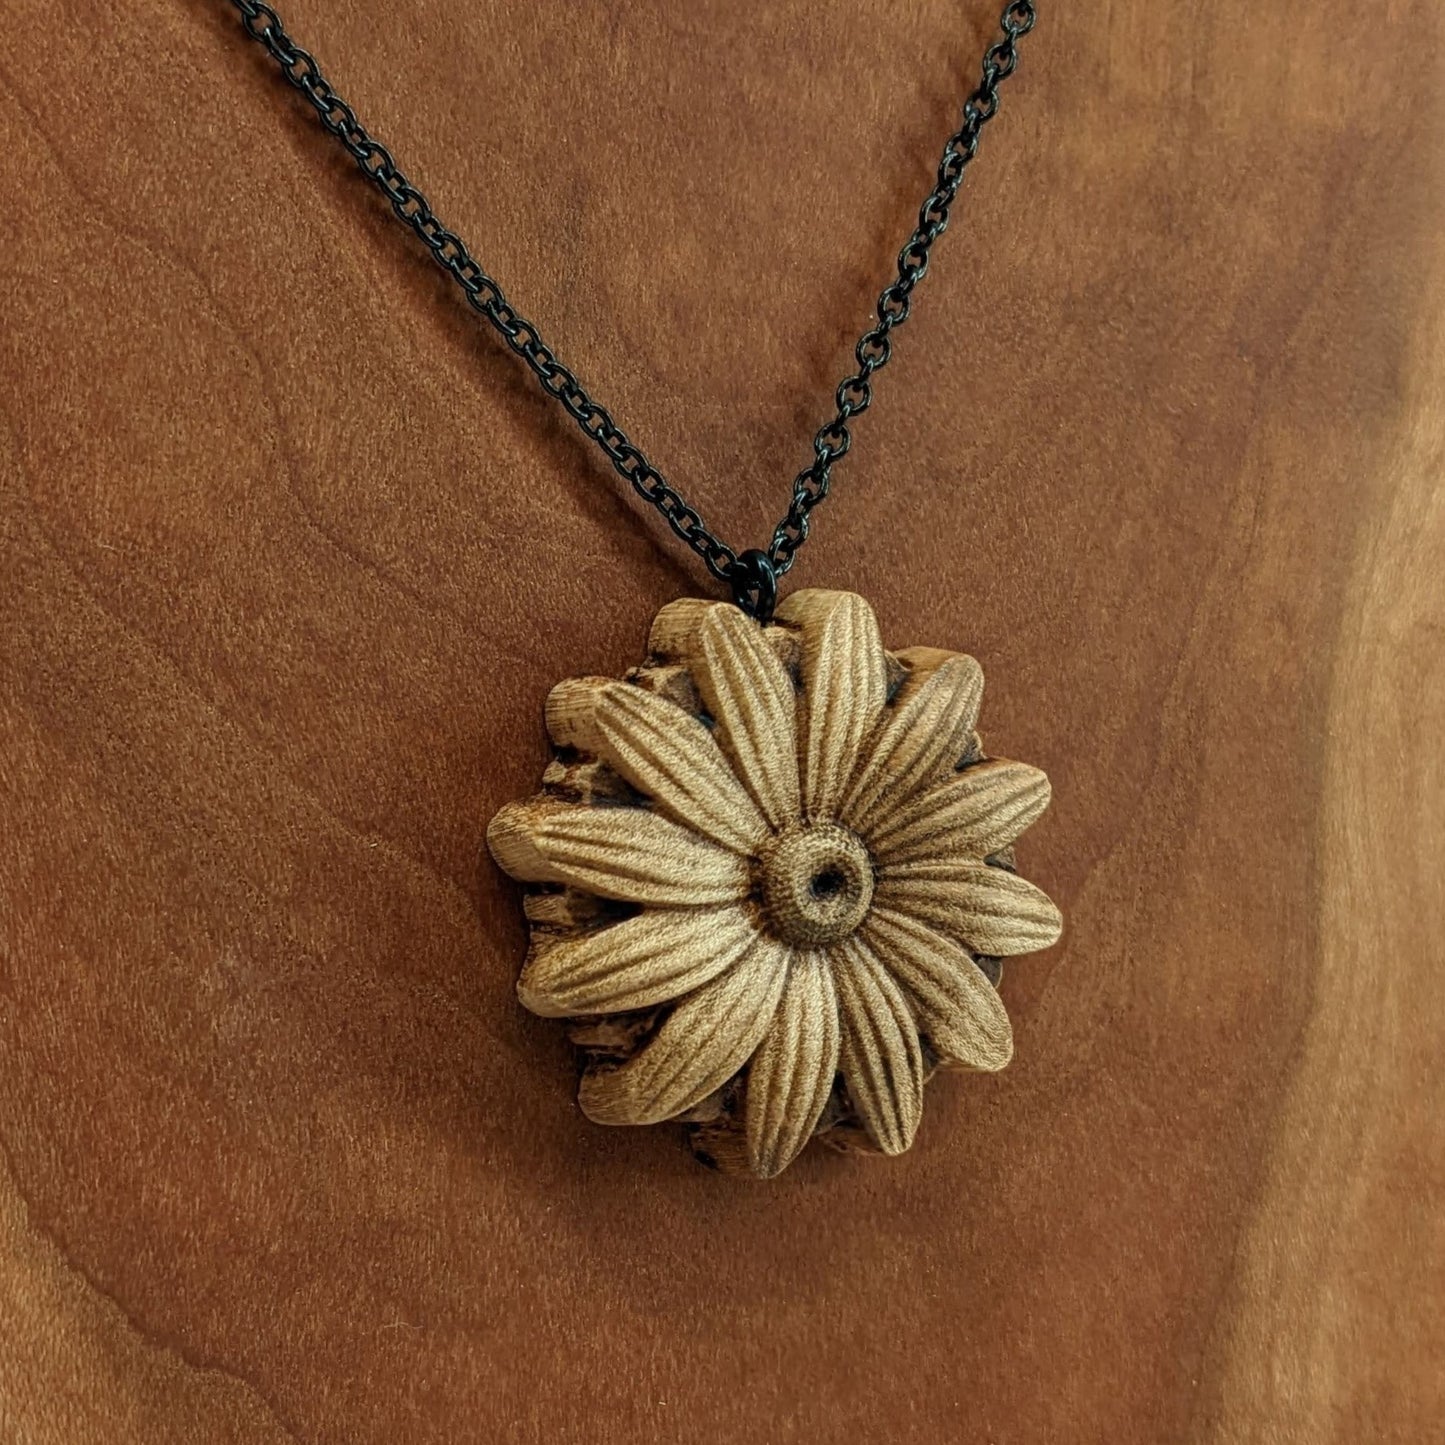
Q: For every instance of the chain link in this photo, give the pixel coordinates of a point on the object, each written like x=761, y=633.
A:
x=753, y=576
x=855, y=393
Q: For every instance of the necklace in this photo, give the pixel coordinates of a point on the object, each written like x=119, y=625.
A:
x=770, y=875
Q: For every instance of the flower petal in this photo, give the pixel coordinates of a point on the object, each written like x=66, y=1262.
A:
x=926, y=731
x=642, y=961
x=975, y=813
x=960, y=1010
x=662, y=750
x=625, y=853
x=749, y=694
x=792, y=1073
x=845, y=680
x=988, y=910
x=880, y=1054
x=706, y=1039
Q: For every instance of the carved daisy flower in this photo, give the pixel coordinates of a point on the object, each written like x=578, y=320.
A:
x=770, y=861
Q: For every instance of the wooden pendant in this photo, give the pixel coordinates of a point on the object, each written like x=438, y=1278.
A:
x=770, y=879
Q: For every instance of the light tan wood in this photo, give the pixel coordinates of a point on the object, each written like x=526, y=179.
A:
x=290, y=556
x=791, y=915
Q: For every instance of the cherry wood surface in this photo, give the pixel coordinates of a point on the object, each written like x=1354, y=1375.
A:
x=291, y=551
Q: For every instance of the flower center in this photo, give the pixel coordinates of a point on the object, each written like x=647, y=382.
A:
x=817, y=883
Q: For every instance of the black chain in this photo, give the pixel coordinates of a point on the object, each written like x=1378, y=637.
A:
x=855, y=393
x=752, y=575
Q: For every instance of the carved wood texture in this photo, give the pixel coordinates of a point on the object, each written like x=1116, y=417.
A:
x=791, y=841
x=290, y=559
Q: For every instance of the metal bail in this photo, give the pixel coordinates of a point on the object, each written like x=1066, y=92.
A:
x=754, y=582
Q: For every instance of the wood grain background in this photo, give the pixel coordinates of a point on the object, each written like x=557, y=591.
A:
x=290, y=553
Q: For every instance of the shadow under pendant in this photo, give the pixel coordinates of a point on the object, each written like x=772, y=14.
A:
x=770, y=879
